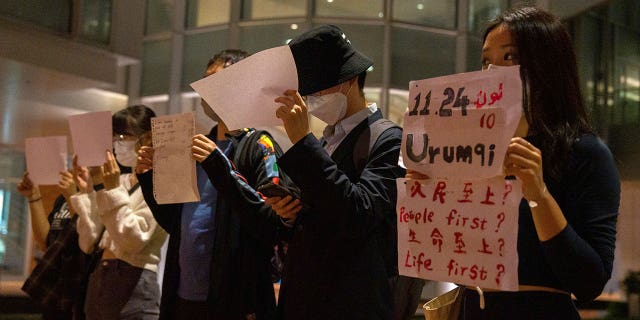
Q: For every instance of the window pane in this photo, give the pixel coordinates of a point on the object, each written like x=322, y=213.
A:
x=198, y=49
x=482, y=11
x=207, y=12
x=439, y=14
x=156, y=67
x=268, y=9
x=257, y=38
x=96, y=20
x=51, y=14
x=474, y=50
x=14, y=215
x=350, y=8
x=158, y=16
x=420, y=55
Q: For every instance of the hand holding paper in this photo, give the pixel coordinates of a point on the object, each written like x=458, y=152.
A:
x=27, y=188
x=111, y=172
x=66, y=184
x=294, y=115
x=202, y=147
x=145, y=160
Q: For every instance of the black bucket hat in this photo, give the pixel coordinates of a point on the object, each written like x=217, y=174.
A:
x=324, y=58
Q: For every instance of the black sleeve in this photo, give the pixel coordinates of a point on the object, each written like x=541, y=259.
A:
x=257, y=218
x=167, y=215
x=360, y=205
x=582, y=254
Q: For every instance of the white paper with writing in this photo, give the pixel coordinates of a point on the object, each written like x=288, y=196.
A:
x=460, y=231
x=92, y=136
x=459, y=126
x=46, y=158
x=242, y=94
x=174, y=170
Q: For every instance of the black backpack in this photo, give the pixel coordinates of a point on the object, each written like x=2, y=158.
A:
x=278, y=256
x=361, y=152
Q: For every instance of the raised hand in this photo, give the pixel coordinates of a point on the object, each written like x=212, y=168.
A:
x=111, y=172
x=145, y=160
x=294, y=115
x=27, y=188
x=201, y=147
x=81, y=176
x=66, y=184
x=524, y=161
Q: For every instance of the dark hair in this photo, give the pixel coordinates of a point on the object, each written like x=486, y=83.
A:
x=228, y=57
x=133, y=120
x=553, y=104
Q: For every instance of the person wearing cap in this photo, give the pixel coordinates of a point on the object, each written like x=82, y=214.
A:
x=345, y=233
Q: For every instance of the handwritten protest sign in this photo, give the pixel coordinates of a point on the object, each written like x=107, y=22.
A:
x=174, y=170
x=461, y=231
x=460, y=125
x=46, y=158
x=461, y=226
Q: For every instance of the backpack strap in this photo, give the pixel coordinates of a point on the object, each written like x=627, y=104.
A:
x=366, y=141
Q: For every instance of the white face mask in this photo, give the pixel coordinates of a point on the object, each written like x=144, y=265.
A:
x=330, y=108
x=126, y=153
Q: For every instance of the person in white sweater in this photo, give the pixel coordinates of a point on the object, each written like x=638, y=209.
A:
x=112, y=214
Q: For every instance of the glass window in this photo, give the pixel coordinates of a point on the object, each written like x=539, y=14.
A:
x=156, y=67
x=483, y=11
x=14, y=215
x=198, y=49
x=474, y=50
x=207, y=12
x=398, y=103
x=420, y=55
x=159, y=16
x=626, y=13
x=96, y=20
x=257, y=38
x=268, y=9
x=51, y=14
x=439, y=14
x=350, y=8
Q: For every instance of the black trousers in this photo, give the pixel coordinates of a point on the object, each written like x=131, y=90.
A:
x=526, y=305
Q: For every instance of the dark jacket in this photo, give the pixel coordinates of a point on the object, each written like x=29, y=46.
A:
x=240, y=282
x=336, y=258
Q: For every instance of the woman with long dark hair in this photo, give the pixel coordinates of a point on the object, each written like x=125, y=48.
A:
x=571, y=188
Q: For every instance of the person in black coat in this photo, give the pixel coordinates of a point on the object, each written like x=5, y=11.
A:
x=342, y=244
x=218, y=257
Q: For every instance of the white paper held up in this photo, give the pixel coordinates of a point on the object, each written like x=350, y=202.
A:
x=92, y=136
x=459, y=126
x=242, y=94
x=174, y=170
x=46, y=158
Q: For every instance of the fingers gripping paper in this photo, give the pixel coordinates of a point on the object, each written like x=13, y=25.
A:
x=174, y=170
